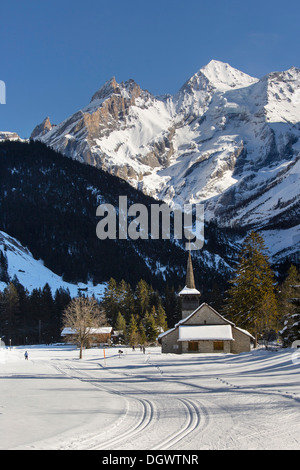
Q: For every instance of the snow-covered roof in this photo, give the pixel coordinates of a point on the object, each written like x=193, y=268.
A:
x=185, y=320
x=103, y=330
x=244, y=331
x=165, y=333
x=188, y=290
x=205, y=332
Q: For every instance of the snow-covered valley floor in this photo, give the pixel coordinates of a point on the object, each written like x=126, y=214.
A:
x=148, y=401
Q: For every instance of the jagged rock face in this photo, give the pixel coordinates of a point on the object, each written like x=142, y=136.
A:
x=225, y=139
x=96, y=133
x=41, y=129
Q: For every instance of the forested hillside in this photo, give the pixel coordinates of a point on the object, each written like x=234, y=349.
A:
x=48, y=202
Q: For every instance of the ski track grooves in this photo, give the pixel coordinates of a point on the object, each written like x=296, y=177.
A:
x=144, y=420
x=196, y=418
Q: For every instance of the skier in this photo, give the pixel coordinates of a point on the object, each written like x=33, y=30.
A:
x=26, y=355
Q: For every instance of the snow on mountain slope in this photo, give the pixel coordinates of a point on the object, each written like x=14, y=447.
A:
x=224, y=77
x=283, y=96
x=120, y=130
x=5, y=135
x=283, y=243
x=129, y=132
x=227, y=140
x=216, y=77
x=33, y=274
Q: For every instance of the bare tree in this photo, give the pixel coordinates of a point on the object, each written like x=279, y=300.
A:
x=81, y=316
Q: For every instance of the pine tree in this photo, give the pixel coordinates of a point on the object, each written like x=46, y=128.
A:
x=151, y=329
x=142, y=297
x=121, y=292
x=62, y=298
x=120, y=326
x=4, y=277
x=161, y=318
x=47, y=315
x=10, y=312
x=110, y=301
x=132, y=332
x=125, y=299
x=142, y=334
x=120, y=322
x=2, y=315
x=172, y=306
x=23, y=323
x=251, y=301
x=289, y=307
x=35, y=307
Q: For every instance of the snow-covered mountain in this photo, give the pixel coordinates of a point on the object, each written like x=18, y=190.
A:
x=12, y=136
x=32, y=273
x=225, y=139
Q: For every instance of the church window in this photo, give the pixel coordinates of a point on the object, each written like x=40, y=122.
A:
x=193, y=346
x=218, y=345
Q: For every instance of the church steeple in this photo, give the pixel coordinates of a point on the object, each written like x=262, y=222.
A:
x=190, y=281
x=190, y=295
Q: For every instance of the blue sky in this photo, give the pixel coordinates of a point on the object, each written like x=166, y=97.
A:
x=55, y=55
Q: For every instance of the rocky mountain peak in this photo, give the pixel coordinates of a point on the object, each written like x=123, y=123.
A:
x=109, y=87
x=42, y=129
x=129, y=90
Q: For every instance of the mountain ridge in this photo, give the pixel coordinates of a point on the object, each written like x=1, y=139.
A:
x=225, y=139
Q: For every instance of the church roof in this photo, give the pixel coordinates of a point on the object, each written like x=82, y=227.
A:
x=182, y=322
x=205, y=332
x=187, y=290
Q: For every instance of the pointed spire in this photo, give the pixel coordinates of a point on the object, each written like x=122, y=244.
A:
x=190, y=281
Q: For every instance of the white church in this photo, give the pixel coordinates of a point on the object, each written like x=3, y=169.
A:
x=202, y=329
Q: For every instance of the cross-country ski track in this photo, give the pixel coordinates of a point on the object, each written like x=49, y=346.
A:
x=151, y=401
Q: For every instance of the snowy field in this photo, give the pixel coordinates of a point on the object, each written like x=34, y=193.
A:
x=148, y=401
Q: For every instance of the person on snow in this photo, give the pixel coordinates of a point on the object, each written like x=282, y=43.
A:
x=26, y=355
